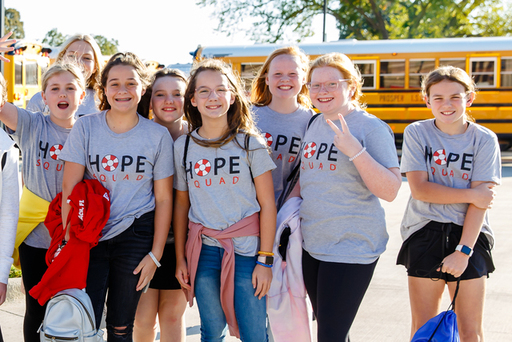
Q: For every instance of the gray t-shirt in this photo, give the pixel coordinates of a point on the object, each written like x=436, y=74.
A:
x=283, y=134
x=88, y=105
x=450, y=160
x=41, y=142
x=126, y=164
x=342, y=221
x=220, y=186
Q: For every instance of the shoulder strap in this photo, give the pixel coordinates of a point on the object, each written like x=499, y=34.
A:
x=185, y=150
x=4, y=160
x=313, y=118
x=246, y=148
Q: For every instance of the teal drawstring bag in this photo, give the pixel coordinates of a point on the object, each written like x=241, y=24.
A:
x=442, y=328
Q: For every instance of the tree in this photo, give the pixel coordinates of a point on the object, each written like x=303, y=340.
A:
x=54, y=38
x=277, y=20
x=108, y=47
x=13, y=23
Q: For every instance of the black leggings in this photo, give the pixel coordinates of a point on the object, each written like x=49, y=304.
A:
x=336, y=290
x=33, y=266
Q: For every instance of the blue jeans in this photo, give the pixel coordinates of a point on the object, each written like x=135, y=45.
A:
x=111, y=268
x=249, y=310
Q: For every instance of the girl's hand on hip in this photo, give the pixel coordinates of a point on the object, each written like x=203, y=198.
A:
x=344, y=140
x=455, y=264
x=182, y=274
x=147, y=269
x=261, y=279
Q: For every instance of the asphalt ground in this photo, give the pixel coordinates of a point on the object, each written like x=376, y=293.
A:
x=384, y=315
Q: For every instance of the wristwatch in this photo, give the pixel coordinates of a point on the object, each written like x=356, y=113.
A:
x=464, y=249
x=266, y=259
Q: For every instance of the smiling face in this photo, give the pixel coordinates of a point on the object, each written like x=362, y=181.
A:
x=217, y=104
x=285, y=78
x=63, y=95
x=83, y=53
x=167, y=99
x=123, y=89
x=330, y=103
x=448, y=102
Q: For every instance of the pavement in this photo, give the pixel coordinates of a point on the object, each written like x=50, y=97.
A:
x=384, y=315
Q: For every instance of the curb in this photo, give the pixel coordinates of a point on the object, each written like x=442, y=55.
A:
x=14, y=292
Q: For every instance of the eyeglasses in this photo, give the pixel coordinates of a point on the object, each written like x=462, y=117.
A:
x=205, y=92
x=329, y=85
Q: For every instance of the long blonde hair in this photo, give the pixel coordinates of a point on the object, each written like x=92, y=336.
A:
x=239, y=114
x=98, y=57
x=260, y=93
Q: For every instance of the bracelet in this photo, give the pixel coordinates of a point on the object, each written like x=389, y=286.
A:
x=154, y=259
x=264, y=265
x=357, y=154
x=266, y=253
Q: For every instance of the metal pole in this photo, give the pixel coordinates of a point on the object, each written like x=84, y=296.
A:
x=325, y=13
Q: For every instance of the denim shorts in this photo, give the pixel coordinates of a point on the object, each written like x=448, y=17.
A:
x=424, y=251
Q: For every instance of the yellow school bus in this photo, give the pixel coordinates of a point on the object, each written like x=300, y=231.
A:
x=23, y=73
x=392, y=71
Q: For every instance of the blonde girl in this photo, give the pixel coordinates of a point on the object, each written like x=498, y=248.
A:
x=41, y=139
x=224, y=194
x=83, y=50
x=452, y=165
x=349, y=162
x=132, y=157
x=282, y=109
x=164, y=296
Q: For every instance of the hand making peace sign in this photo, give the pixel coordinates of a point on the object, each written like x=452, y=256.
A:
x=4, y=45
x=344, y=140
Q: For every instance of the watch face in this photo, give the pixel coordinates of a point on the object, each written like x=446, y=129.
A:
x=466, y=250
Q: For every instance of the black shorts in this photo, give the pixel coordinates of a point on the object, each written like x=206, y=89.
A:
x=165, y=278
x=424, y=251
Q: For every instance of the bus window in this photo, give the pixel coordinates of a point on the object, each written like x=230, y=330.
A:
x=392, y=74
x=249, y=72
x=367, y=69
x=31, y=72
x=506, y=72
x=483, y=70
x=418, y=69
x=18, y=73
x=456, y=62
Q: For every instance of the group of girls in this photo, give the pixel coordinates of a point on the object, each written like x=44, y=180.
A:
x=227, y=188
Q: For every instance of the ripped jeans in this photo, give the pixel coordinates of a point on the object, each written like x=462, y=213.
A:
x=111, y=268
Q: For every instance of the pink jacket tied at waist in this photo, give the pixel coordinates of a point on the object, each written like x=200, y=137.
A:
x=249, y=226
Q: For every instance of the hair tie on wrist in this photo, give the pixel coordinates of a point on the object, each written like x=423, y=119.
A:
x=264, y=265
x=154, y=259
x=357, y=154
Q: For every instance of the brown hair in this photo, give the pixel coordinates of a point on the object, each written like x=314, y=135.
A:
x=452, y=74
x=144, y=104
x=348, y=70
x=121, y=58
x=260, y=93
x=98, y=57
x=58, y=68
x=239, y=115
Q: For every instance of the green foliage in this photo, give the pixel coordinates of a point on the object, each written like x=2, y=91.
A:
x=108, y=47
x=13, y=23
x=278, y=20
x=54, y=38
x=14, y=273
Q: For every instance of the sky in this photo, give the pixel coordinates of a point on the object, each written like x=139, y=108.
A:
x=162, y=30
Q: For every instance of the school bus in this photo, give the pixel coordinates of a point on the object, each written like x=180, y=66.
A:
x=27, y=63
x=392, y=71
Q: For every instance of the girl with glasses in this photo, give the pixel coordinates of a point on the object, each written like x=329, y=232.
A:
x=348, y=162
x=282, y=109
x=224, y=195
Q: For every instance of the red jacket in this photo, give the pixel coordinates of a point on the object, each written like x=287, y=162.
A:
x=90, y=210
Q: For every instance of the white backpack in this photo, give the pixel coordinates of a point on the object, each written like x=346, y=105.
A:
x=69, y=316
